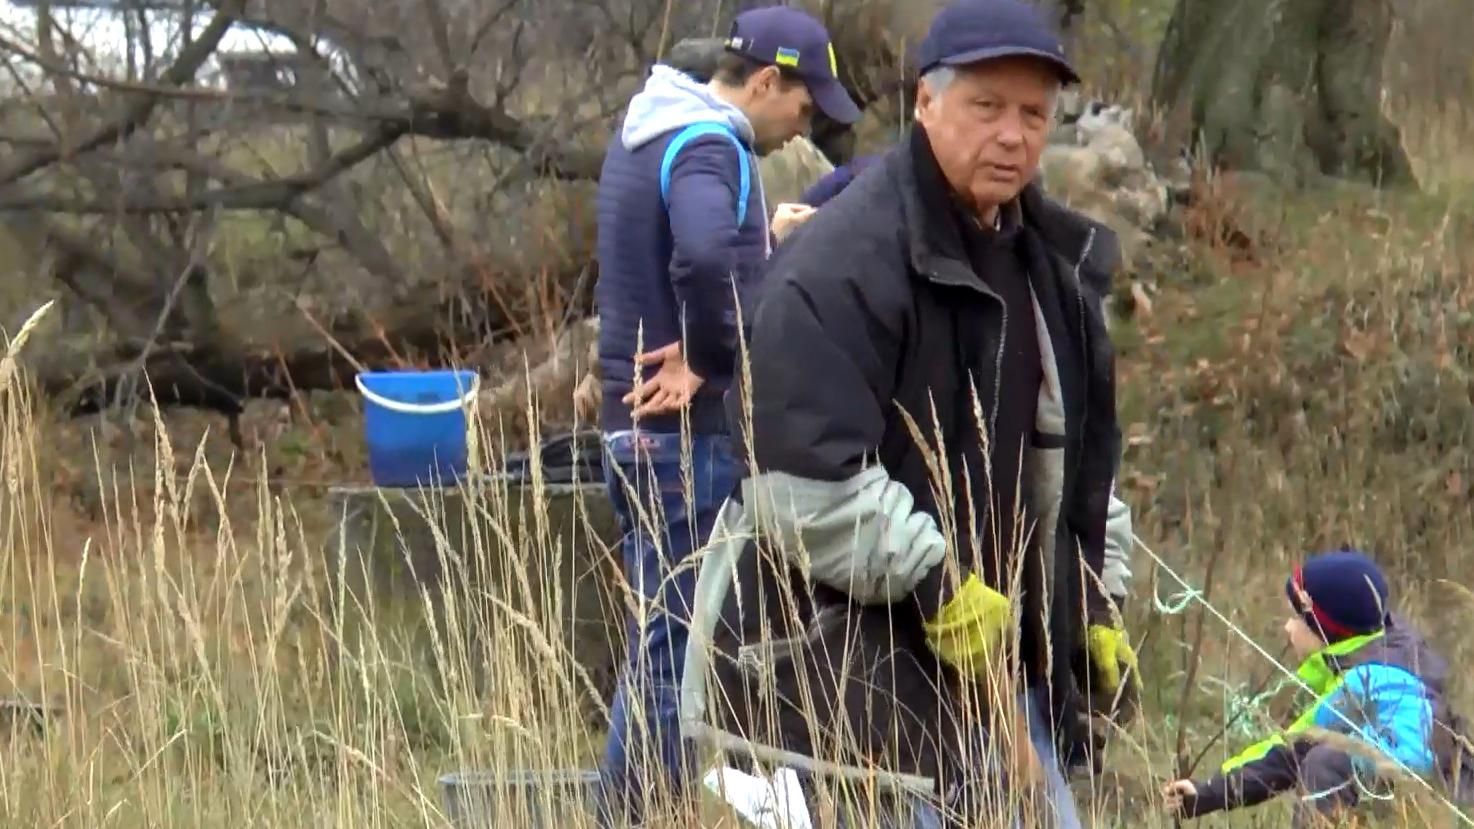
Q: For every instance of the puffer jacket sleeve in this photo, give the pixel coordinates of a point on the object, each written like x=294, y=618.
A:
x=827, y=187
x=702, y=205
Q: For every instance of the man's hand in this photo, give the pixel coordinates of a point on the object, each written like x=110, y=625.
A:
x=1176, y=794
x=672, y=387
x=788, y=216
x=1112, y=663
x=970, y=627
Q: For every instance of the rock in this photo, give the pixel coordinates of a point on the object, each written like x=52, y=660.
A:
x=696, y=56
x=1096, y=165
x=1116, y=146
x=1178, y=176
x=1065, y=135
x=552, y=380
x=788, y=172
x=1069, y=106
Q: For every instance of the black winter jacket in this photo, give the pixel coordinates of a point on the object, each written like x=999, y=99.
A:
x=872, y=329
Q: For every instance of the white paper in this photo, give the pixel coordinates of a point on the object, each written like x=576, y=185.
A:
x=766, y=804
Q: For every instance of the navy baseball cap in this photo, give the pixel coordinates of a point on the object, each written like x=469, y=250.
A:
x=780, y=36
x=969, y=31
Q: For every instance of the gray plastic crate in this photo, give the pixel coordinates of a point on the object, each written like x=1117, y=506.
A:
x=532, y=799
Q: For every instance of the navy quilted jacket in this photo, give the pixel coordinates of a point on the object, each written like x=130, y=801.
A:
x=676, y=274
x=836, y=180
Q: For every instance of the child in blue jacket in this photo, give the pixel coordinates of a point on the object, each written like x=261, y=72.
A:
x=1374, y=679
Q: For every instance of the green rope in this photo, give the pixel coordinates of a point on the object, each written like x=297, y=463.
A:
x=1239, y=706
x=1179, y=601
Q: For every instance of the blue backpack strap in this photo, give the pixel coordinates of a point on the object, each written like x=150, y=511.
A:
x=673, y=149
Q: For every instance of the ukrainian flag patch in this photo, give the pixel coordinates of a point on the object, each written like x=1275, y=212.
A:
x=787, y=57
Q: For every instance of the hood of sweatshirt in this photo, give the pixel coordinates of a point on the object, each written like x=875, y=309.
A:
x=671, y=99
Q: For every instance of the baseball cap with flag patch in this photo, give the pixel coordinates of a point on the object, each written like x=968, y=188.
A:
x=790, y=38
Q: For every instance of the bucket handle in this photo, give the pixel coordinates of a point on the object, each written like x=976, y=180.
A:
x=420, y=408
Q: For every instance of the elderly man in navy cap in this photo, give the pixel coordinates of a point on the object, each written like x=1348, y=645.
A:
x=930, y=425
x=682, y=238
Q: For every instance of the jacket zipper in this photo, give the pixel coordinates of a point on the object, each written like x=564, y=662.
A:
x=1084, y=254
x=1080, y=302
x=998, y=371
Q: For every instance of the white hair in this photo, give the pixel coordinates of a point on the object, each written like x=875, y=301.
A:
x=938, y=78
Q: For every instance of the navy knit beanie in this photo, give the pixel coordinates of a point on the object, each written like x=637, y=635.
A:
x=1348, y=594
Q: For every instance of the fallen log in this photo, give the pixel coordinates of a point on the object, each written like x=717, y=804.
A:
x=211, y=376
x=218, y=360
x=556, y=381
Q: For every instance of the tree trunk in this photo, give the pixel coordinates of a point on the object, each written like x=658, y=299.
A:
x=1291, y=88
x=1066, y=16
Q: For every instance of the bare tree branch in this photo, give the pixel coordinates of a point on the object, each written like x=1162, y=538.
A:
x=276, y=194
x=440, y=32
x=89, y=271
x=184, y=68
x=451, y=112
x=296, y=154
x=446, y=112
x=361, y=243
x=492, y=18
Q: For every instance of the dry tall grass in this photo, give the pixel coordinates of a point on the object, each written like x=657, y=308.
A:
x=193, y=659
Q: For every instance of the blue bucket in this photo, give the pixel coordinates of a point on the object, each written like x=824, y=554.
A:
x=415, y=425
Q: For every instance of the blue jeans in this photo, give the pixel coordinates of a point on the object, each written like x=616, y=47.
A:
x=1059, y=802
x=662, y=520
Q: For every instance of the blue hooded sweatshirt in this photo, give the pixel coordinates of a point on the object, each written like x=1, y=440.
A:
x=677, y=273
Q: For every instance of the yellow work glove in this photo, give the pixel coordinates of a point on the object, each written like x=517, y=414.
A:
x=1111, y=657
x=970, y=627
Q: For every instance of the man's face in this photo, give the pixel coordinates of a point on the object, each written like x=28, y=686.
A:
x=989, y=125
x=780, y=110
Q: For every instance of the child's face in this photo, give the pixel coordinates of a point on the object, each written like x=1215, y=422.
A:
x=1303, y=640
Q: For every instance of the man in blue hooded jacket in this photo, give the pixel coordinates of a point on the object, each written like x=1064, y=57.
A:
x=683, y=235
